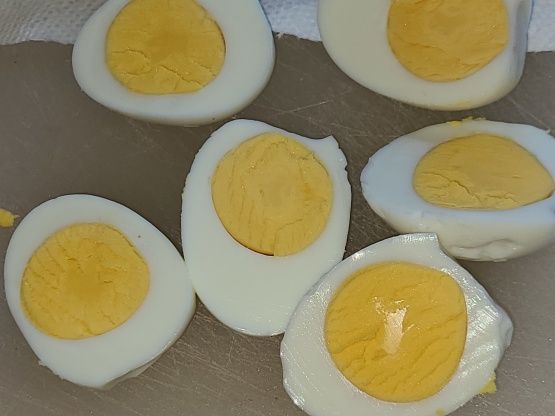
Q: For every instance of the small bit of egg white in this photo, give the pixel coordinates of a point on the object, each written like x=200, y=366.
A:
x=129, y=349
x=354, y=33
x=248, y=291
x=318, y=387
x=249, y=61
x=387, y=185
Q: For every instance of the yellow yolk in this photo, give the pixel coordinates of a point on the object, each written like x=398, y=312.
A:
x=164, y=47
x=447, y=40
x=397, y=330
x=481, y=172
x=84, y=280
x=7, y=219
x=272, y=194
x=490, y=387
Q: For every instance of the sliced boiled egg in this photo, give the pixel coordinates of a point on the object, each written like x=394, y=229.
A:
x=486, y=188
x=439, y=54
x=97, y=291
x=185, y=62
x=397, y=329
x=265, y=215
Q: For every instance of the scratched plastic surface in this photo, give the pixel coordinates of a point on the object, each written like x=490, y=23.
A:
x=56, y=141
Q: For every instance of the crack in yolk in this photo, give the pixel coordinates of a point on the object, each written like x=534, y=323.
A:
x=447, y=40
x=84, y=280
x=164, y=47
x=481, y=171
x=397, y=330
x=272, y=195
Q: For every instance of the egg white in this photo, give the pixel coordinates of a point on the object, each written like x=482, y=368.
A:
x=316, y=385
x=127, y=350
x=387, y=185
x=248, y=291
x=248, y=64
x=354, y=33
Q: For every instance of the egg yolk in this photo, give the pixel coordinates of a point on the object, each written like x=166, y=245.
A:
x=397, y=330
x=447, y=40
x=272, y=194
x=490, y=387
x=481, y=171
x=164, y=47
x=84, y=280
x=7, y=219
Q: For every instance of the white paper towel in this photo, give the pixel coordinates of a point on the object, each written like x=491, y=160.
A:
x=61, y=20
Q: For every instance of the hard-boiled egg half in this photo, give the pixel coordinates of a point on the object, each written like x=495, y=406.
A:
x=397, y=329
x=186, y=62
x=439, y=54
x=97, y=291
x=265, y=215
x=486, y=188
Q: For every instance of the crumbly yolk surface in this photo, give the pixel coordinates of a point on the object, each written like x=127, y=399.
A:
x=447, y=40
x=397, y=330
x=164, y=47
x=490, y=387
x=7, y=219
x=481, y=171
x=84, y=280
x=272, y=194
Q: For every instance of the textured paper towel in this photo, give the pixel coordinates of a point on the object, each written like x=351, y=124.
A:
x=61, y=20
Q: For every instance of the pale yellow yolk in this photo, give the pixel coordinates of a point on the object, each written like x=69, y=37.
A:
x=84, y=280
x=447, y=40
x=7, y=219
x=397, y=330
x=481, y=172
x=272, y=195
x=164, y=47
x=490, y=387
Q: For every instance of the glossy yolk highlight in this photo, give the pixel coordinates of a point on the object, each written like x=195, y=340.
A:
x=84, y=280
x=7, y=219
x=164, y=47
x=272, y=195
x=447, y=40
x=397, y=330
x=481, y=172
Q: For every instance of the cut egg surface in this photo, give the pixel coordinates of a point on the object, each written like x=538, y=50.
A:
x=184, y=62
x=438, y=54
x=265, y=215
x=97, y=291
x=485, y=188
x=397, y=329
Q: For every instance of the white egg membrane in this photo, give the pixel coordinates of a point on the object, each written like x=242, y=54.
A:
x=249, y=61
x=354, y=33
x=248, y=291
x=127, y=350
x=316, y=385
x=387, y=185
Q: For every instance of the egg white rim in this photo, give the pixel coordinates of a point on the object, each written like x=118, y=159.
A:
x=139, y=340
x=265, y=317
x=489, y=332
x=242, y=77
x=408, y=150
x=364, y=28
